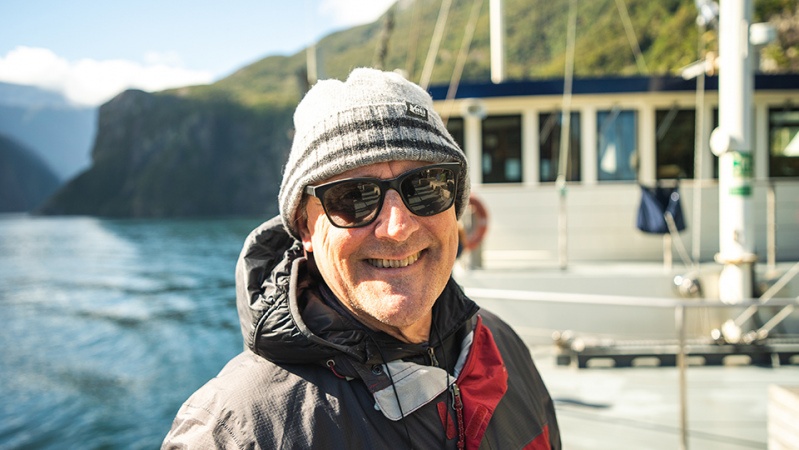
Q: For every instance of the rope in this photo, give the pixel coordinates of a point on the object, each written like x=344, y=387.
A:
x=699, y=149
x=441, y=23
x=410, y=59
x=568, y=81
x=385, y=35
x=628, y=27
x=565, y=133
x=468, y=34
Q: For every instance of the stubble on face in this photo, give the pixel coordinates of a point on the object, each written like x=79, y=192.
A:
x=390, y=273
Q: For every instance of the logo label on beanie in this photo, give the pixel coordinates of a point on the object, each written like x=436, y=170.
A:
x=416, y=110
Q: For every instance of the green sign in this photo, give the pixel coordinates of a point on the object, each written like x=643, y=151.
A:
x=741, y=190
x=742, y=166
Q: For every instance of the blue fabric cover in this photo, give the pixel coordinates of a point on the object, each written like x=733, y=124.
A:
x=655, y=202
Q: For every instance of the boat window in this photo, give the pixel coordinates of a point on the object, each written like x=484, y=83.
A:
x=617, y=155
x=784, y=142
x=549, y=134
x=502, y=149
x=674, y=148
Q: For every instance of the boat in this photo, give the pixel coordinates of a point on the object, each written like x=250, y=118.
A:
x=510, y=125
x=567, y=194
x=565, y=170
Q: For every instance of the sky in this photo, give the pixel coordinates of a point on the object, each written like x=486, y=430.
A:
x=90, y=50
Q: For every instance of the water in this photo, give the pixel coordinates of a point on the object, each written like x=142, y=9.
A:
x=107, y=326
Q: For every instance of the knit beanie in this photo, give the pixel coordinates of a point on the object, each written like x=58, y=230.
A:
x=372, y=117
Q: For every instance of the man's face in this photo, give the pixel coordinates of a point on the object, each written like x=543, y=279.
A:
x=352, y=260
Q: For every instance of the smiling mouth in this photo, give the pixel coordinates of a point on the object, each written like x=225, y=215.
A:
x=394, y=263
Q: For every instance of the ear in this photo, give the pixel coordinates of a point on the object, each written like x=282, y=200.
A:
x=305, y=234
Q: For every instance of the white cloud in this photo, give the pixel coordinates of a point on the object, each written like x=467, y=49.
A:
x=91, y=82
x=354, y=12
x=169, y=58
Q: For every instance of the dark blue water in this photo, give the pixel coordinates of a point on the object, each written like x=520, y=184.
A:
x=107, y=326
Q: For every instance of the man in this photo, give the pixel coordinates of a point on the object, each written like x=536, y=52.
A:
x=356, y=335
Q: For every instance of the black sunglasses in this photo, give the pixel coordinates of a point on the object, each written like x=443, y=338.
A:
x=356, y=202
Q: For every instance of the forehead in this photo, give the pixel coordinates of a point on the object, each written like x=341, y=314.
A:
x=383, y=170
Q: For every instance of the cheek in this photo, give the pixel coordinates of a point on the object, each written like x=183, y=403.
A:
x=332, y=247
x=447, y=229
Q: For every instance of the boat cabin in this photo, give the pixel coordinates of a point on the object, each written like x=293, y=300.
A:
x=625, y=134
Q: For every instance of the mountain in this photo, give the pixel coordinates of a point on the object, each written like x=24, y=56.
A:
x=30, y=96
x=164, y=156
x=665, y=30
x=218, y=149
x=25, y=180
x=59, y=132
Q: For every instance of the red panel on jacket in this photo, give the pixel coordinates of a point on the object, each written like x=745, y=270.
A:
x=482, y=382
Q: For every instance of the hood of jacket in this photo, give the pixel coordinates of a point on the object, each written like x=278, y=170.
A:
x=285, y=320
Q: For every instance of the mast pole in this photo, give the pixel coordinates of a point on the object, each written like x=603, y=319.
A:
x=732, y=142
x=497, y=37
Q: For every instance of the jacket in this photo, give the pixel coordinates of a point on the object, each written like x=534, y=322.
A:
x=312, y=377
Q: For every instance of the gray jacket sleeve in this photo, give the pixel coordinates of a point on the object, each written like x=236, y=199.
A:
x=195, y=427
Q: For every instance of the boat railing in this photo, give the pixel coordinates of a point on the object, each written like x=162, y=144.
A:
x=680, y=308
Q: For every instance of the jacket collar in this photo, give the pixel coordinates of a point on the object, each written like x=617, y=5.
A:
x=285, y=319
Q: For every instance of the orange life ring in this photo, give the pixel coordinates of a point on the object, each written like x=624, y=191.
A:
x=476, y=233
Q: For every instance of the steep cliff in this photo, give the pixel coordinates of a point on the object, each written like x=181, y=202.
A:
x=160, y=155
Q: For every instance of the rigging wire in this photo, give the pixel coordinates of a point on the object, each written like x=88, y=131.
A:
x=565, y=131
x=568, y=81
x=311, y=69
x=628, y=27
x=385, y=35
x=704, y=317
x=468, y=34
x=413, y=39
x=432, y=52
x=699, y=149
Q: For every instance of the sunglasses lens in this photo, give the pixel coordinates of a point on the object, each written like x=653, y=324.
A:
x=352, y=204
x=355, y=203
x=429, y=191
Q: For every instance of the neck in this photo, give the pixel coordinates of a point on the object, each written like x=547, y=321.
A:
x=415, y=333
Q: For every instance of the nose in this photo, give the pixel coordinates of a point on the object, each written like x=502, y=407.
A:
x=395, y=221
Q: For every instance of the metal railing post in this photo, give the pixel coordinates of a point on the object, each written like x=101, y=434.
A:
x=771, y=227
x=681, y=365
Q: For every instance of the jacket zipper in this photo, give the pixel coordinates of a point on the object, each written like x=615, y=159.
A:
x=432, y=355
x=457, y=405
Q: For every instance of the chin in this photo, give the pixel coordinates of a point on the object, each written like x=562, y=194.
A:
x=401, y=310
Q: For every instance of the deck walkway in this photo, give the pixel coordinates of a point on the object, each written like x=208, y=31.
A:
x=638, y=407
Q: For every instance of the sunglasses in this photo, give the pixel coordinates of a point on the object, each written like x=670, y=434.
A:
x=356, y=202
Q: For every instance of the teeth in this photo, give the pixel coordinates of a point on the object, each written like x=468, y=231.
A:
x=394, y=263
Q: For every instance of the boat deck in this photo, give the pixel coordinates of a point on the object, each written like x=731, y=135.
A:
x=639, y=407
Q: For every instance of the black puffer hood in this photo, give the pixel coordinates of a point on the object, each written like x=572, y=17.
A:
x=284, y=320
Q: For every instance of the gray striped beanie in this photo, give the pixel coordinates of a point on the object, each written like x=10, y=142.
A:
x=373, y=117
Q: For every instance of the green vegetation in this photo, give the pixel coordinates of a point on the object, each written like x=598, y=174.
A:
x=665, y=30
x=219, y=149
